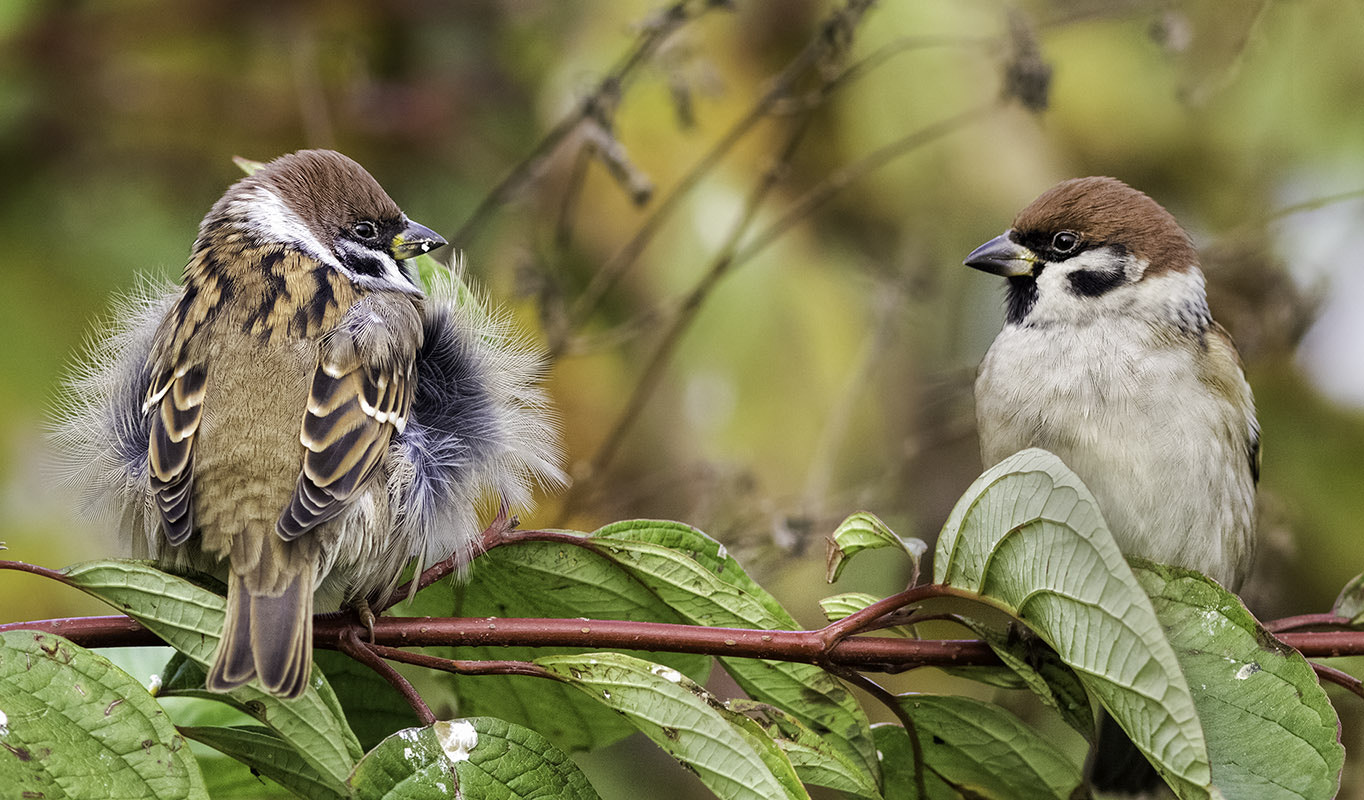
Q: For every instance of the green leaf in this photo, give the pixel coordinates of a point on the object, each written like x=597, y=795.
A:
x=539, y=579
x=693, y=575
x=190, y=619
x=486, y=758
x=181, y=673
x=866, y=531
x=1272, y=733
x=816, y=762
x=184, y=615
x=1350, y=602
x=73, y=725
x=264, y=752
x=432, y=274
x=696, y=545
x=1037, y=668
x=372, y=706
x=838, y=606
x=1028, y=537
x=727, y=751
x=985, y=752
x=897, y=765
x=248, y=165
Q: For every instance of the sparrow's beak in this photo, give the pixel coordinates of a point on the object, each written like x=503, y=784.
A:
x=415, y=240
x=1002, y=256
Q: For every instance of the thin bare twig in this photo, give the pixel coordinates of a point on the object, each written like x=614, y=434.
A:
x=1342, y=679
x=1305, y=206
x=351, y=644
x=886, y=310
x=905, y=44
x=690, y=307
x=568, y=206
x=730, y=256
x=840, y=179
x=779, y=92
x=1307, y=621
x=865, y=618
x=653, y=33
x=34, y=569
x=778, y=89
x=891, y=702
x=459, y=667
x=806, y=205
x=491, y=536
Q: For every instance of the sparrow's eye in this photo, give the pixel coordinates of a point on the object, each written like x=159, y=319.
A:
x=365, y=230
x=1064, y=242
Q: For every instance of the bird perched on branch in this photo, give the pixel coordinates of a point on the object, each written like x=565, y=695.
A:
x=300, y=416
x=1110, y=359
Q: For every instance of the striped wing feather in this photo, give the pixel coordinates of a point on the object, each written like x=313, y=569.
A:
x=353, y=411
x=176, y=404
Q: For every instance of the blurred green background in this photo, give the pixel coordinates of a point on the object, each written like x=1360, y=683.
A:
x=826, y=371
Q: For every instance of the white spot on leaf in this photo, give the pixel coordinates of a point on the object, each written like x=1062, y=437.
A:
x=667, y=673
x=1247, y=670
x=457, y=739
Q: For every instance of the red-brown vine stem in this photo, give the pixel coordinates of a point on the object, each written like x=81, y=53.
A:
x=888, y=699
x=1342, y=679
x=869, y=653
x=1307, y=621
x=831, y=645
x=352, y=645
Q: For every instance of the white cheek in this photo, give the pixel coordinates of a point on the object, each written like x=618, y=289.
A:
x=1176, y=296
x=1057, y=301
x=267, y=216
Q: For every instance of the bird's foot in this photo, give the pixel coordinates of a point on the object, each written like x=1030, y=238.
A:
x=362, y=610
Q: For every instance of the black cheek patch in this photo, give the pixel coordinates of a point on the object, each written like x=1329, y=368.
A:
x=361, y=263
x=1092, y=283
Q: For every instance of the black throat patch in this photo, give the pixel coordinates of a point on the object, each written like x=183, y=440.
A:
x=1022, y=297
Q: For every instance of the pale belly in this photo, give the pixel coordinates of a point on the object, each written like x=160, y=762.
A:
x=1161, y=454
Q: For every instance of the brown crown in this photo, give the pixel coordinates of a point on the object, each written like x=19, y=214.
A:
x=1108, y=211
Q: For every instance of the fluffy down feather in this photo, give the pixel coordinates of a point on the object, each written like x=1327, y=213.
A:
x=480, y=433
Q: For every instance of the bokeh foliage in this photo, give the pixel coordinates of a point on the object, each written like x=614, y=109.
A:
x=830, y=372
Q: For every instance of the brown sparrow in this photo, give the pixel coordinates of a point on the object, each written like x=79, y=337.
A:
x=300, y=417
x=1110, y=359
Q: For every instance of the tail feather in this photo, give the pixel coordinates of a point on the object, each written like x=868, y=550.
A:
x=284, y=637
x=234, y=665
x=266, y=636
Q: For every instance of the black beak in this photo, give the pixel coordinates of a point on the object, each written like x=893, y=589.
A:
x=1002, y=256
x=415, y=240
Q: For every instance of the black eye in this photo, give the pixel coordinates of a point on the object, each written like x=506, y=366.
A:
x=365, y=229
x=1064, y=242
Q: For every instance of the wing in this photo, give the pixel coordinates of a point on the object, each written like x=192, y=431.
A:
x=175, y=403
x=354, y=409
x=1225, y=375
